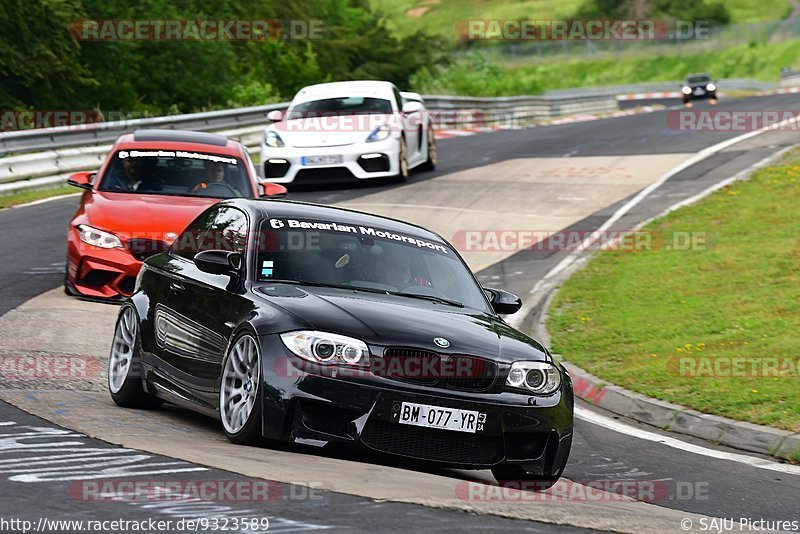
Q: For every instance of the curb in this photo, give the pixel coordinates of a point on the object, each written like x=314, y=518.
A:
x=782, y=91
x=675, y=418
x=781, y=444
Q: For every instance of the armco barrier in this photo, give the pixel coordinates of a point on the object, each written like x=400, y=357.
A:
x=45, y=157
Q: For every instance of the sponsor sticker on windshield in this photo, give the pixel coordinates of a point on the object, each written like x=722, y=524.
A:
x=125, y=154
x=358, y=230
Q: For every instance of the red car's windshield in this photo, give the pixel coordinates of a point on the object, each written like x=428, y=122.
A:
x=177, y=173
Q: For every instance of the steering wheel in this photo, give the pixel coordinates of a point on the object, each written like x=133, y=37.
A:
x=214, y=189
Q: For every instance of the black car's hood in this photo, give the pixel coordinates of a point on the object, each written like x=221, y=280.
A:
x=387, y=320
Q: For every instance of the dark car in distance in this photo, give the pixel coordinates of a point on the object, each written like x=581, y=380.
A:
x=699, y=86
x=315, y=325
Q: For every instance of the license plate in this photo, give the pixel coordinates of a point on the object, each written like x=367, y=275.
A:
x=321, y=160
x=699, y=91
x=444, y=418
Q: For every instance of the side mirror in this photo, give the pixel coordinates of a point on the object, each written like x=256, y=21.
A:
x=412, y=107
x=273, y=190
x=275, y=115
x=219, y=262
x=503, y=302
x=82, y=179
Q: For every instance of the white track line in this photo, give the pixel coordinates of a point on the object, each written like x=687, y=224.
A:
x=536, y=296
x=616, y=426
x=525, y=311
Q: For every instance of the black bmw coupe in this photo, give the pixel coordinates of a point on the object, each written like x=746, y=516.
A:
x=313, y=324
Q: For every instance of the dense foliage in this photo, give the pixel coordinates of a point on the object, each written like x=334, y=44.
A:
x=714, y=12
x=43, y=67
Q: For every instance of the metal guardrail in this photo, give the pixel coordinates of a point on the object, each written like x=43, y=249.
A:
x=23, y=141
x=31, y=159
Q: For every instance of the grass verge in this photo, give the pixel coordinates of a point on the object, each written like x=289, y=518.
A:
x=660, y=322
x=13, y=199
x=440, y=16
x=479, y=75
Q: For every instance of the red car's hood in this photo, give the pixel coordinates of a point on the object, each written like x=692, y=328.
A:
x=139, y=215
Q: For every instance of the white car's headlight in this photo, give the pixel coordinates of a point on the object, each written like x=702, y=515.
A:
x=539, y=378
x=711, y=87
x=324, y=347
x=272, y=139
x=687, y=90
x=380, y=133
x=98, y=238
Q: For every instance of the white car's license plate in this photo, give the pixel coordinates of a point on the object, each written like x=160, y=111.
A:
x=444, y=418
x=322, y=160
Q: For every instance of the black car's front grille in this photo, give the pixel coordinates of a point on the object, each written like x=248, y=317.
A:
x=475, y=373
x=467, y=373
x=433, y=444
x=419, y=366
x=141, y=249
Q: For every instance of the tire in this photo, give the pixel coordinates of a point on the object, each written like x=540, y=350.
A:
x=240, y=383
x=124, y=365
x=402, y=162
x=433, y=154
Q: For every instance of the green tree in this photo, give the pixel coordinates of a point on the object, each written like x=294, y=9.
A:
x=39, y=60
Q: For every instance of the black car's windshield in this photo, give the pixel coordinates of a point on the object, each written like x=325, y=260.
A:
x=698, y=79
x=176, y=172
x=350, y=105
x=366, y=258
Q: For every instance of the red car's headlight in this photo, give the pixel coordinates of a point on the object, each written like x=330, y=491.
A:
x=98, y=238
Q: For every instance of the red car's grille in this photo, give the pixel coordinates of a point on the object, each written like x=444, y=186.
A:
x=141, y=249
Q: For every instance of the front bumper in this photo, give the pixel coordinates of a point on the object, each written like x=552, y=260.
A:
x=311, y=408
x=285, y=164
x=98, y=273
x=700, y=93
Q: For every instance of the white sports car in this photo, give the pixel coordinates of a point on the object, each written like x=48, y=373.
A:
x=345, y=130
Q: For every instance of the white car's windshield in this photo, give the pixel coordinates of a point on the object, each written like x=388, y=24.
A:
x=349, y=105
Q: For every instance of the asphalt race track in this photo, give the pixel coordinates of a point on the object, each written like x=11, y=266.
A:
x=569, y=176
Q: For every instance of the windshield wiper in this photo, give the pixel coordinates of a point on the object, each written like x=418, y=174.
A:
x=432, y=298
x=323, y=284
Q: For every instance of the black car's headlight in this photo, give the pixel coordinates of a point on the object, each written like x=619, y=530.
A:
x=539, y=378
x=324, y=347
x=686, y=90
x=711, y=87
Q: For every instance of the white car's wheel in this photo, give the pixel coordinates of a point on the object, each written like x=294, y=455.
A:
x=433, y=154
x=402, y=161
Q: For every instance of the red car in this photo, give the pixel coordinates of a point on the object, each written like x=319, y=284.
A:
x=152, y=184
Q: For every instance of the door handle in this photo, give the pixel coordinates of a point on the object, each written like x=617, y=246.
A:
x=176, y=287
